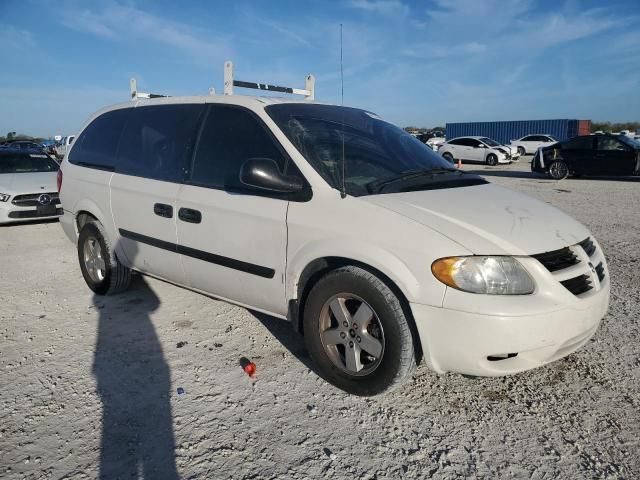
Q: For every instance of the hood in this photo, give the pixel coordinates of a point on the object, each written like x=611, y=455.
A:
x=20, y=183
x=487, y=219
x=507, y=148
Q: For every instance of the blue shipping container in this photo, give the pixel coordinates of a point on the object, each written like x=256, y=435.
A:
x=504, y=132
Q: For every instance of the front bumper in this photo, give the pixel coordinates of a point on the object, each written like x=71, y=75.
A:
x=479, y=334
x=10, y=213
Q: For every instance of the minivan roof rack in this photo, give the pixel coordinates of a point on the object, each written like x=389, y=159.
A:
x=229, y=83
x=133, y=85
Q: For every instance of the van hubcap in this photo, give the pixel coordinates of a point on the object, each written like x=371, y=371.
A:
x=93, y=260
x=351, y=334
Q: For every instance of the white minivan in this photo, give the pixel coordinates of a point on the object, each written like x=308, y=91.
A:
x=373, y=246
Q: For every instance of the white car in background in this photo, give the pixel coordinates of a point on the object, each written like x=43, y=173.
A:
x=477, y=150
x=531, y=143
x=28, y=186
x=63, y=147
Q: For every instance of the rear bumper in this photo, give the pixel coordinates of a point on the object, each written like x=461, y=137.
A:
x=457, y=341
x=68, y=223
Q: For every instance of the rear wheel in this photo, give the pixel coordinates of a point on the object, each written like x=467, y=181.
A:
x=492, y=159
x=558, y=170
x=102, y=271
x=357, y=333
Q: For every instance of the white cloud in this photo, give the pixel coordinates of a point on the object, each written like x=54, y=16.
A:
x=384, y=7
x=116, y=21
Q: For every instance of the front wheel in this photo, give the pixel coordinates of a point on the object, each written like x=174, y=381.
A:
x=448, y=157
x=521, y=151
x=558, y=170
x=492, y=159
x=100, y=268
x=357, y=333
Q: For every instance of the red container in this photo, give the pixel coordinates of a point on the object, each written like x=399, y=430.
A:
x=584, y=127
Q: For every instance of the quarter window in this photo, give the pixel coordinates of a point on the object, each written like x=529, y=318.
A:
x=231, y=136
x=97, y=144
x=158, y=141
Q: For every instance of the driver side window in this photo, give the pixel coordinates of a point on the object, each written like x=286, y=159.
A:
x=230, y=136
x=608, y=143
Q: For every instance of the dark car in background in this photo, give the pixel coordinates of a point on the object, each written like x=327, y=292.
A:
x=589, y=155
x=22, y=145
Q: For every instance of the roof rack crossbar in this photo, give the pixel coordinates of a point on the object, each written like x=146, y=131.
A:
x=229, y=83
x=135, y=94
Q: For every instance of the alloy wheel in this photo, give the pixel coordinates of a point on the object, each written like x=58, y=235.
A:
x=93, y=259
x=351, y=334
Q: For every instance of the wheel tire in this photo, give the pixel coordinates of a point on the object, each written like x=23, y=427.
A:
x=110, y=276
x=397, y=360
x=558, y=170
x=447, y=156
x=522, y=151
x=492, y=159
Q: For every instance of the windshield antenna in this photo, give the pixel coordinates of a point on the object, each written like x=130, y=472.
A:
x=343, y=191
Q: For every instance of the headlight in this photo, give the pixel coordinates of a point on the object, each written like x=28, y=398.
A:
x=4, y=197
x=479, y=274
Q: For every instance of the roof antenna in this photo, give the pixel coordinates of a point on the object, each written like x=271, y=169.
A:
x=343, y=191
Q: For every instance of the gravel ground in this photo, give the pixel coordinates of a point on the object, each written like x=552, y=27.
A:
x=89, y=384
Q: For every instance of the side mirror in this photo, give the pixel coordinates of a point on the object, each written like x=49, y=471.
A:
x=482, y=145
x=263, y=173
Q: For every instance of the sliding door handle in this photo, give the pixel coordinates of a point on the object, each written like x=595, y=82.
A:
x=189, y=215
x=163, y=210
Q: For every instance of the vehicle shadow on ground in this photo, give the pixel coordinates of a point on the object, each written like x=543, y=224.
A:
x=283, y=331
x=133, y=381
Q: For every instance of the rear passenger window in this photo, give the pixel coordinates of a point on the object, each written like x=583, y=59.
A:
x=579, y=143
x=230, y=137
x=97, y=144
x=158, y=141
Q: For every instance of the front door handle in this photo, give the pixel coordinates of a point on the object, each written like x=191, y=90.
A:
x=189, y=215
x=163, y=210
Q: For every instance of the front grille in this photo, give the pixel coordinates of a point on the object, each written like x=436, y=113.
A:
x=557, y=259
x=600, y=271
x=31, y=199
x=588, y=246
x=578, y=285
x=34, y=214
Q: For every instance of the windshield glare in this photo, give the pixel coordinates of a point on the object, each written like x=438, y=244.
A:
x=27, y=163
x=488, y=141
x=374, y=150
x=629, y=141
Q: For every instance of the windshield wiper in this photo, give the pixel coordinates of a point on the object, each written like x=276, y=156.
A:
x=378, y=186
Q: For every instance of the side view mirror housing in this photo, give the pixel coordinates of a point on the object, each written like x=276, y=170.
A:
x=263, y=173
x=482, y=145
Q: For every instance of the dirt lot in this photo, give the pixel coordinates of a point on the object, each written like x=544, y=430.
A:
x=89, y=381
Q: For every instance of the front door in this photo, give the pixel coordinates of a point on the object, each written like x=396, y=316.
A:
x=578, y=153
x=155, y=149
x=613, y=157
x=232, y=240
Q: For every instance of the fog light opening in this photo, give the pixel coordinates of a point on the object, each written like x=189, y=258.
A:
x=501, y=356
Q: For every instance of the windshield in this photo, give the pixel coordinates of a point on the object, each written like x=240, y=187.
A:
x=488, y=141
x=26, y=163
x=632, y=142
x=374, y=151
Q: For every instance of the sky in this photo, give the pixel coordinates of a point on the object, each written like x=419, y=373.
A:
x=420, y=63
